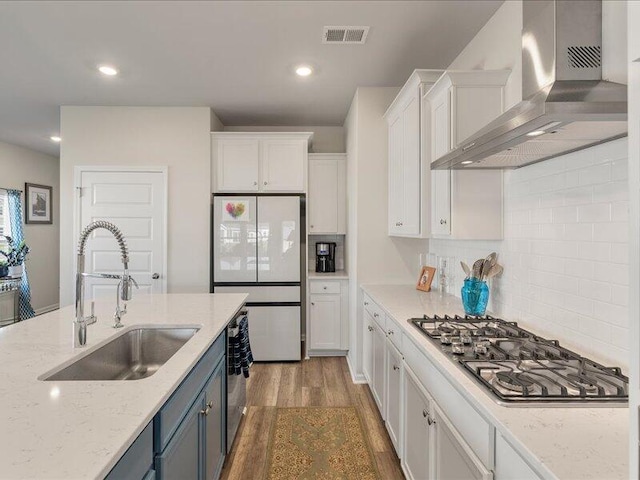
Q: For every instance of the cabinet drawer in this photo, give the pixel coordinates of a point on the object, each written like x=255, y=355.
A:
x=375, y=311
x=476, y=431
x=169, y=417
x=324, y=287
x=137, y=460
x=394, y=333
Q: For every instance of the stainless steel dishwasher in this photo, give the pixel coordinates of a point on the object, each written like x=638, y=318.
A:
x=236, y=383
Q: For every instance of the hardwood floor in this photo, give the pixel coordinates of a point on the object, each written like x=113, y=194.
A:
x=320, y=381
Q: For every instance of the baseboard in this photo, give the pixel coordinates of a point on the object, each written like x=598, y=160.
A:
x=327, y=353
x=357, y=377
x=47, y=309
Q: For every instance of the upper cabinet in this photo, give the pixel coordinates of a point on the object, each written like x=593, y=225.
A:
x=409, y=175
x=259, y=162
x=465, y=204
x=326, y=201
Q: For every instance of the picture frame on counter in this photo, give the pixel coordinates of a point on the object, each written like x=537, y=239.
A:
x=38, y=204
x=425, y=279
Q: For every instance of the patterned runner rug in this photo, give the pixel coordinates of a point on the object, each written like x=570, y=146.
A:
x=314, y=443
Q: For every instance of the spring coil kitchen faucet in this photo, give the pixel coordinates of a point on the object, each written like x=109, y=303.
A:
x=125, y=284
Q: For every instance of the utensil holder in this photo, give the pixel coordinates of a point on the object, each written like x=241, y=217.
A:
x=475, y=296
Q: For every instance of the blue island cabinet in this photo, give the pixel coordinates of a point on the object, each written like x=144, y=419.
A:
x=186, y=439
x=189, y=430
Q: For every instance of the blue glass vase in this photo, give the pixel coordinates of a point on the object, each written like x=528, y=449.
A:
x=475, y=296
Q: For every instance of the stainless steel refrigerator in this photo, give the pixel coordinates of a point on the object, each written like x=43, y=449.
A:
x=258, y=247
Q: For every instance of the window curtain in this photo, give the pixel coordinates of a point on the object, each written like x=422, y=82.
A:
x=15, y=219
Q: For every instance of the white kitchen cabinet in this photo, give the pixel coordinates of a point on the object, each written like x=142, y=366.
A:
x=326, y=202
x=465, y=204
x=378, y=371
x=259, y=162
x=509, y=463
x=454, y=459
x=394, y=395
x=328, y=328
x=409, y=175
x=367, y=347
x=417, y=435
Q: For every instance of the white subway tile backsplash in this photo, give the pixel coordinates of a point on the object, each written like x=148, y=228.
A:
x=565, y=251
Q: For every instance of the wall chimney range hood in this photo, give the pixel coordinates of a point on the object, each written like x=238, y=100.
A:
x=566, y=107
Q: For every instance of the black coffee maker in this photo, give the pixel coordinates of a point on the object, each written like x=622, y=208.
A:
x=325, y=257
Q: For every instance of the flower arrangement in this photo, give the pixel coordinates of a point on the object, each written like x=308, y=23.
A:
x=16, y=254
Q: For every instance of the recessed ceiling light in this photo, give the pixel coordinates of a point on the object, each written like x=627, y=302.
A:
x=108, y=70
x=467, y=162
x=304, y=70
x=55, y=138
x=535, y=133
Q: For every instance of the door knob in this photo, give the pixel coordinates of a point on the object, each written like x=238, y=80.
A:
x=155, y=276
x=265, y=183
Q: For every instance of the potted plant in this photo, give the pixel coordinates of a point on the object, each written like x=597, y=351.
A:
x=15, y=256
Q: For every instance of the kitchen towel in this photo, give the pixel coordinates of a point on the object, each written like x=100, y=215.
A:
x=240, y=354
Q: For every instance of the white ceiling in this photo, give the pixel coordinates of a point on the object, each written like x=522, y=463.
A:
x=234, y=56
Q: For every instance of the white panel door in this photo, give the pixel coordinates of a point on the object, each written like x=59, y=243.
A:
x=367, y=346
x=440, y=124
x=234, y=239
x=418, y=442
x=274, y=333
x=394, y=396
x=278, y=239
x=237, y=161
x=325, y=323
x=282, y=164
x=135, y=203
x=441, y=202
x=411, y=167
x=395, y=177
x=378, y=382
x=323, y=196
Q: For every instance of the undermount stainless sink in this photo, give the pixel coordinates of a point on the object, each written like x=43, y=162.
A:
x=135, y=354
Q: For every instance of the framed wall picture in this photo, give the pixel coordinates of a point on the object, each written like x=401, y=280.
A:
x=425, y=279
x=38, y=204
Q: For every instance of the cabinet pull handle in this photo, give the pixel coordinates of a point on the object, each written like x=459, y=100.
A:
x=424, y=413
x=324, y=288
x=390, y=332
x=468, y=146
x=313, y=304
x=265, y=183
x=376, y=315
x=255, y=183
x=430, y=420
x=370, y=328
x=366, y=303
x=311, y=226
x=396, y=367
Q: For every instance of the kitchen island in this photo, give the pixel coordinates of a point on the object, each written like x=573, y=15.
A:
x=80, y=429
x=569, y=442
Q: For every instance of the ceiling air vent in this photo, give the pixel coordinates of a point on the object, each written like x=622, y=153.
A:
x=350, y=35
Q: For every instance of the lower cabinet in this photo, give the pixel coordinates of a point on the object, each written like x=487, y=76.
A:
x=394, y=395
x=367, y=347
x=377, y=382
x=328, y=332
x=417, y=435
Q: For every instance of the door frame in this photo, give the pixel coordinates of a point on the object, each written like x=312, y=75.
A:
x=77, y=177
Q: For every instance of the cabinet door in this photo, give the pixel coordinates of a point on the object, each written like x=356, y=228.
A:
x=214, y=423
x=441, y=202
x=325, y=322
x=237, y=164
x=509, y=463
x=396, y=198
x=440, y=124
x=410, y=191
x=378, y=383
x=454, y=459
x=394, y=395
x=417, y=434
x=323, y=196
x=282, y=165
x=367, y=346
x=181, y=459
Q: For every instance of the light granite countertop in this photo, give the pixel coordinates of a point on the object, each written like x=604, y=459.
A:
x=564, y=443
x=79, y=430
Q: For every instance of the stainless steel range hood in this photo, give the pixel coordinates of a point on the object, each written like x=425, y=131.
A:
x=566, y=107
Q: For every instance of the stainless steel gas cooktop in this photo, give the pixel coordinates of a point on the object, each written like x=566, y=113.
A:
x=520, y=368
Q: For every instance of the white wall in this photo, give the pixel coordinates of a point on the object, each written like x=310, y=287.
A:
x=325, y=139
x=565, y=251
x=177, y=137
x=372, y=256
x=19, y=166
